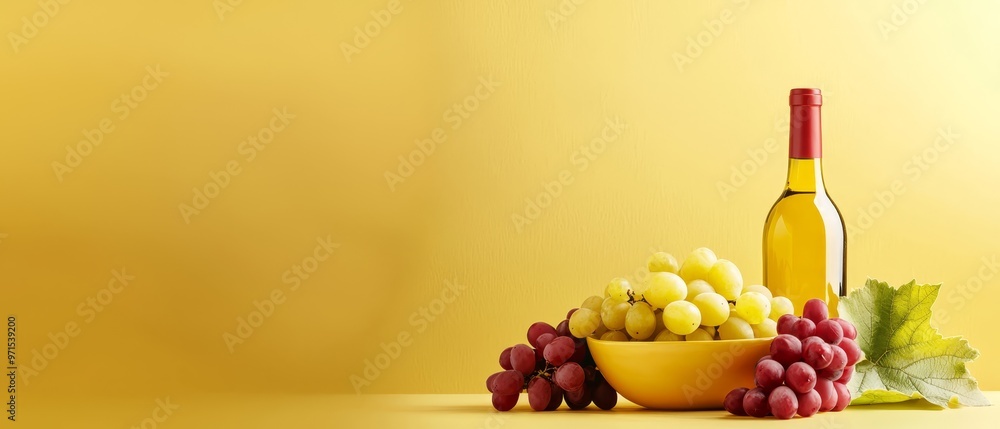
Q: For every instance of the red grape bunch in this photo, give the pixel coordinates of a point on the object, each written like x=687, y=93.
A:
x=811, y=361
x=554, y=367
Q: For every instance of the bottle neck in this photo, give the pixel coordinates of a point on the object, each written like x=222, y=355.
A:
x=805, y=175
x=805, y=137
x=805, y=144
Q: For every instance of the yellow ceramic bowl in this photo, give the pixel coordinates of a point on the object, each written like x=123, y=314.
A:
x=678, y=375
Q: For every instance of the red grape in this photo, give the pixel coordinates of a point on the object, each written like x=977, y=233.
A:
x=536, y=329
x=785, y=323
x=522, y=358
x=843, y=396
x=490, y=379
x=839, y=359
x=579, y=399
x=848, y=372
x=755, y=403
x=570, y=312
x=827, y=393
x=508, y=382
x=817, y=354
x=783, y=402
x=734, y=401
x=815, y=310
x=504, y=402
x=786, y=349
x=544, y=340
x=849, y=330
x=830, y=331
x=539, y=393
x=809, y=403
x=768, y=374
x=563, y=329
x=569, y=376
x=505, y=358
x=582, y=353
x=556, y=399
x=766, y=357
x=539, y=328
x=830, y=373
x=800, y=377
x=560, y=350
x=852, y=350
x=803, y=328
x=605, y=396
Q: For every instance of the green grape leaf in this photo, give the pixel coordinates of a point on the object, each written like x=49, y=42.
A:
x=905, y=357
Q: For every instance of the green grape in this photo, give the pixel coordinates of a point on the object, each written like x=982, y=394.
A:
x=713, y=307
x=780, y=306
x=601, y=330
x=662, y=262
x=614, y=336
x=726, y=279
x=681, y=317
x=699, y=335
x=658, y=317
x=697, y=287
x=584, y=322
x=593, y=303
x=639, y=321
x=735, y=329
x=697, y=264
x=618, y=289
x=710, y=329
x=753, y=307
x=613, y=313
x=761, y=289
x=666, y=335
x=765, y=329
x=638, y=292
x=664, y=288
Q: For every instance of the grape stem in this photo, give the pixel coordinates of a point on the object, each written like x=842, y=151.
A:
x=632, y=300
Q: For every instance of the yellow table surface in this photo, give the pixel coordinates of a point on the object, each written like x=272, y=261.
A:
x=460, y=411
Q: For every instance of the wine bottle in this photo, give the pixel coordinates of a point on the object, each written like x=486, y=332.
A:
x=805, y=243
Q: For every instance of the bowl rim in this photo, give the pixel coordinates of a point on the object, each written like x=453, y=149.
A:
x=675, y=343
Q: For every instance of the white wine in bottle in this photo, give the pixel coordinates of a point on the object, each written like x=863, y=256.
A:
x=805, y=242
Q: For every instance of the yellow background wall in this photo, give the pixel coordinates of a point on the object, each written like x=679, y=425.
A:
x=561, y=72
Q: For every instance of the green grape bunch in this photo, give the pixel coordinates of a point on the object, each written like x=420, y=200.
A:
x=702, y=298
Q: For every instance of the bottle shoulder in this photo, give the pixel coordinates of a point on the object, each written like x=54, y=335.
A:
x=792, y=205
